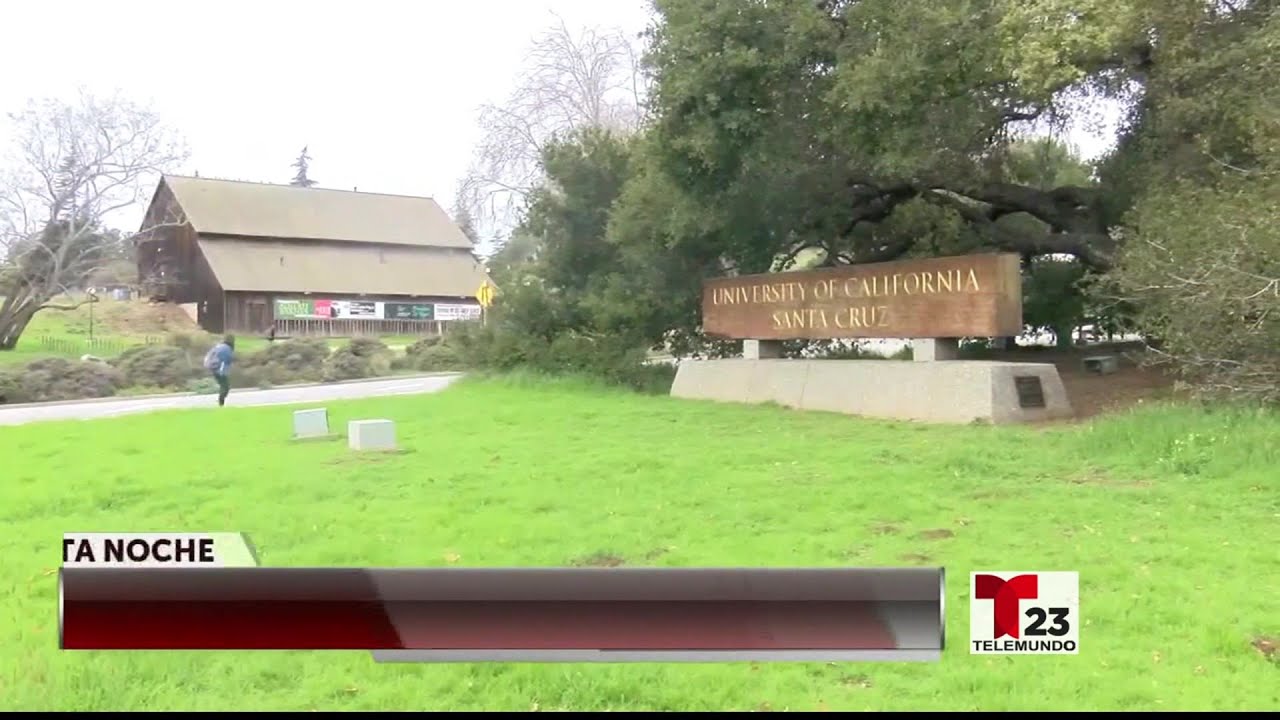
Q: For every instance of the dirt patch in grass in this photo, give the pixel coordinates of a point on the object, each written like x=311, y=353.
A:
x=1268, y=646
x=1094, y=476
x=858, y=681
x=363, y=457
x=884, y=529
x=600, y=559
x=656, y=553
x=139, y=317
x=1091, y=394
x=915, y=558
x=936, y=534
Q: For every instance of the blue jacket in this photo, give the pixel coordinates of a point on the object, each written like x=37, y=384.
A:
x=223, y=354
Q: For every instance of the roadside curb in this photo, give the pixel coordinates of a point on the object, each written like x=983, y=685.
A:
x=294, y=386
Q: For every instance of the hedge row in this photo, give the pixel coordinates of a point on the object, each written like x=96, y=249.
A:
x=177, y=365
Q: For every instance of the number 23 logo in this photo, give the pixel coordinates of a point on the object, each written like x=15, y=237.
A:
x=1039, y=616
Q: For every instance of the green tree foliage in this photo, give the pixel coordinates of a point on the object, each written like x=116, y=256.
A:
x=796, y=124
x=512, y=262
x=564, y=305
x=1201, y=259
x=1054, y=298
x=1203, y=269
x=571, y=211
x=807, y=133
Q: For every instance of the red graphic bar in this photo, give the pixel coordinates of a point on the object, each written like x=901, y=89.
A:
x=476, y=609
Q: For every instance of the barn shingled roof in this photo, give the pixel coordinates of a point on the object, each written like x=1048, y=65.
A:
x=249, y=209
x=369, y=243
x=254, y=265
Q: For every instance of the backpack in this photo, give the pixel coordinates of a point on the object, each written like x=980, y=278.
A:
x=211, y=361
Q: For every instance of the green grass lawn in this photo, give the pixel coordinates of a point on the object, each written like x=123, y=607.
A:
x=1169, y=515
x=69, y=330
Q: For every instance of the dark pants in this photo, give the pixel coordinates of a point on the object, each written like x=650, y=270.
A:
x=224, y=387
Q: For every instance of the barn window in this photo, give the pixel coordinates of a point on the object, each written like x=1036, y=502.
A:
x=282, y=260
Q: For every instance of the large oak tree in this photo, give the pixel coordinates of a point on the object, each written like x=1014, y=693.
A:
x=807, y=123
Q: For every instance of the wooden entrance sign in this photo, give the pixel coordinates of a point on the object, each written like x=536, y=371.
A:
x=951, y=297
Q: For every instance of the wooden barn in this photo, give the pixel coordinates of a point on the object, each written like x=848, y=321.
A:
x=309, y=261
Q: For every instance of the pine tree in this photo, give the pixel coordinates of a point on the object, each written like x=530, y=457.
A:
x=300, y=178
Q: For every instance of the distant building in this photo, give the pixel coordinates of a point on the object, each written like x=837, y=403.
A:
x=312, y=261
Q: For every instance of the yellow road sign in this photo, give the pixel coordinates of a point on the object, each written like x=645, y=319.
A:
x=485, y=294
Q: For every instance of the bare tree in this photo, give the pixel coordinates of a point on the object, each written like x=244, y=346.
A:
x=72, y=167
x=569, y=82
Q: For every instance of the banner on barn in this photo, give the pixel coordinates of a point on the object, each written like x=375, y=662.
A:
x=457, y=312
x=408, y=311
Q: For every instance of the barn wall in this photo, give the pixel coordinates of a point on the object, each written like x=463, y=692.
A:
x=168, y=254
x=207, y=296
x=170, y=265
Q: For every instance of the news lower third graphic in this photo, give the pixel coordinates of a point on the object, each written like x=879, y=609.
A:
x=208, y=591
x=157, y=550
x=1024, y=613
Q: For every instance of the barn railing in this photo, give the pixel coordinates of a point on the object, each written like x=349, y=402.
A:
x=353, y=327
x=100, y=347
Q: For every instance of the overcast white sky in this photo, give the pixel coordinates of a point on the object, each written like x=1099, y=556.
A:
x=384, y=92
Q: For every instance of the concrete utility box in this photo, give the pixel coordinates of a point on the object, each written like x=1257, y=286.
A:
x=371, y=435
x=311, y=423
x=1101, y=364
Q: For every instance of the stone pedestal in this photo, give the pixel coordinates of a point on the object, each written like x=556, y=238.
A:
x=959, y=391
x=761, y=349
x=935, y=349
x=311, y=423
x=371, y=435
x=1101, y=364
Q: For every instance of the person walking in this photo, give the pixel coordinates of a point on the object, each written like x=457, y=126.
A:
x=218, y=361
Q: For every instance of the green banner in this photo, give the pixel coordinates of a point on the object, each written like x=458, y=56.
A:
x=408, y=311
x=294, y=309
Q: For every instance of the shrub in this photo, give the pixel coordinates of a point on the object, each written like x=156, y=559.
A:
x=345, y=364
x=140, y=390
x=361, y=357
x=11, y=388
x=424, y=344
x=437, y=359
x=368, y=347
x=495, y=347
x=195, y=344
x=299, y=360
x=430, y=354
x=58, y=379
x=616, y=360
x=202, y=385
x=1201, y=265
x=157, y=366
x=257, y=377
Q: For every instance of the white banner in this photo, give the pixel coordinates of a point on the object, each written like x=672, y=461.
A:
x=356, y=309
x=457, y=312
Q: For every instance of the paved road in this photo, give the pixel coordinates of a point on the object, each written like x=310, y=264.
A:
x=19, y=415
